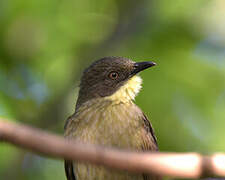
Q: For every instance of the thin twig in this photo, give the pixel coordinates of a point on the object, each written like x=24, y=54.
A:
x=186, y=165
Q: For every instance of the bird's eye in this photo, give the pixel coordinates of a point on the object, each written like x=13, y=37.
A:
x=113, y=75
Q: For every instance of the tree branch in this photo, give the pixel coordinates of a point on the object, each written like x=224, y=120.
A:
x=189, y=165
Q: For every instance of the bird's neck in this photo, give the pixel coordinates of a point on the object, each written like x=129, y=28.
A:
x=127, y=92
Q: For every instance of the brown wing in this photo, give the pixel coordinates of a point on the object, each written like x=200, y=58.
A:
x=69, y=170
x=149, y=144
x=150, y=140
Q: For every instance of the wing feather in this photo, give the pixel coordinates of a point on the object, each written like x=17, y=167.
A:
x=150, y=138
x=69, y=170
x=149, y=143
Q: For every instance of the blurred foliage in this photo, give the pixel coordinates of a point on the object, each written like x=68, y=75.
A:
x=45, y=45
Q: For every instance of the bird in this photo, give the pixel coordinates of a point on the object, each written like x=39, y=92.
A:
x=106, y=115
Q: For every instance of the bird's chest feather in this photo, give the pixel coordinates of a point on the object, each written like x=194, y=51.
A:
x=112, y=125
x=117, y=126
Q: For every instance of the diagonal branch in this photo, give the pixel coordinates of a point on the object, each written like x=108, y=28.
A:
x=189, y=165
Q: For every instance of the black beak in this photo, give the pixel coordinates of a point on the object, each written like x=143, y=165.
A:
x=140, y=66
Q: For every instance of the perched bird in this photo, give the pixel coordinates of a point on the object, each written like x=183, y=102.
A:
x=106, y=115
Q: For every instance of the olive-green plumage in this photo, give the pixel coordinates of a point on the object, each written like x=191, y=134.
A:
x=106, y=115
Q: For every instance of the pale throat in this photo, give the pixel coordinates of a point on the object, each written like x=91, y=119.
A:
x=128, y=91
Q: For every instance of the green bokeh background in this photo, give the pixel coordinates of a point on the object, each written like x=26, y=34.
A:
x=45, y=45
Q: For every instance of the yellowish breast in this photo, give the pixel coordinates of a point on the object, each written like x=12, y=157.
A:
x=107, y=124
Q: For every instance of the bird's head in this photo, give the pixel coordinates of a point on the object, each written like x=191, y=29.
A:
x=112, y=78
